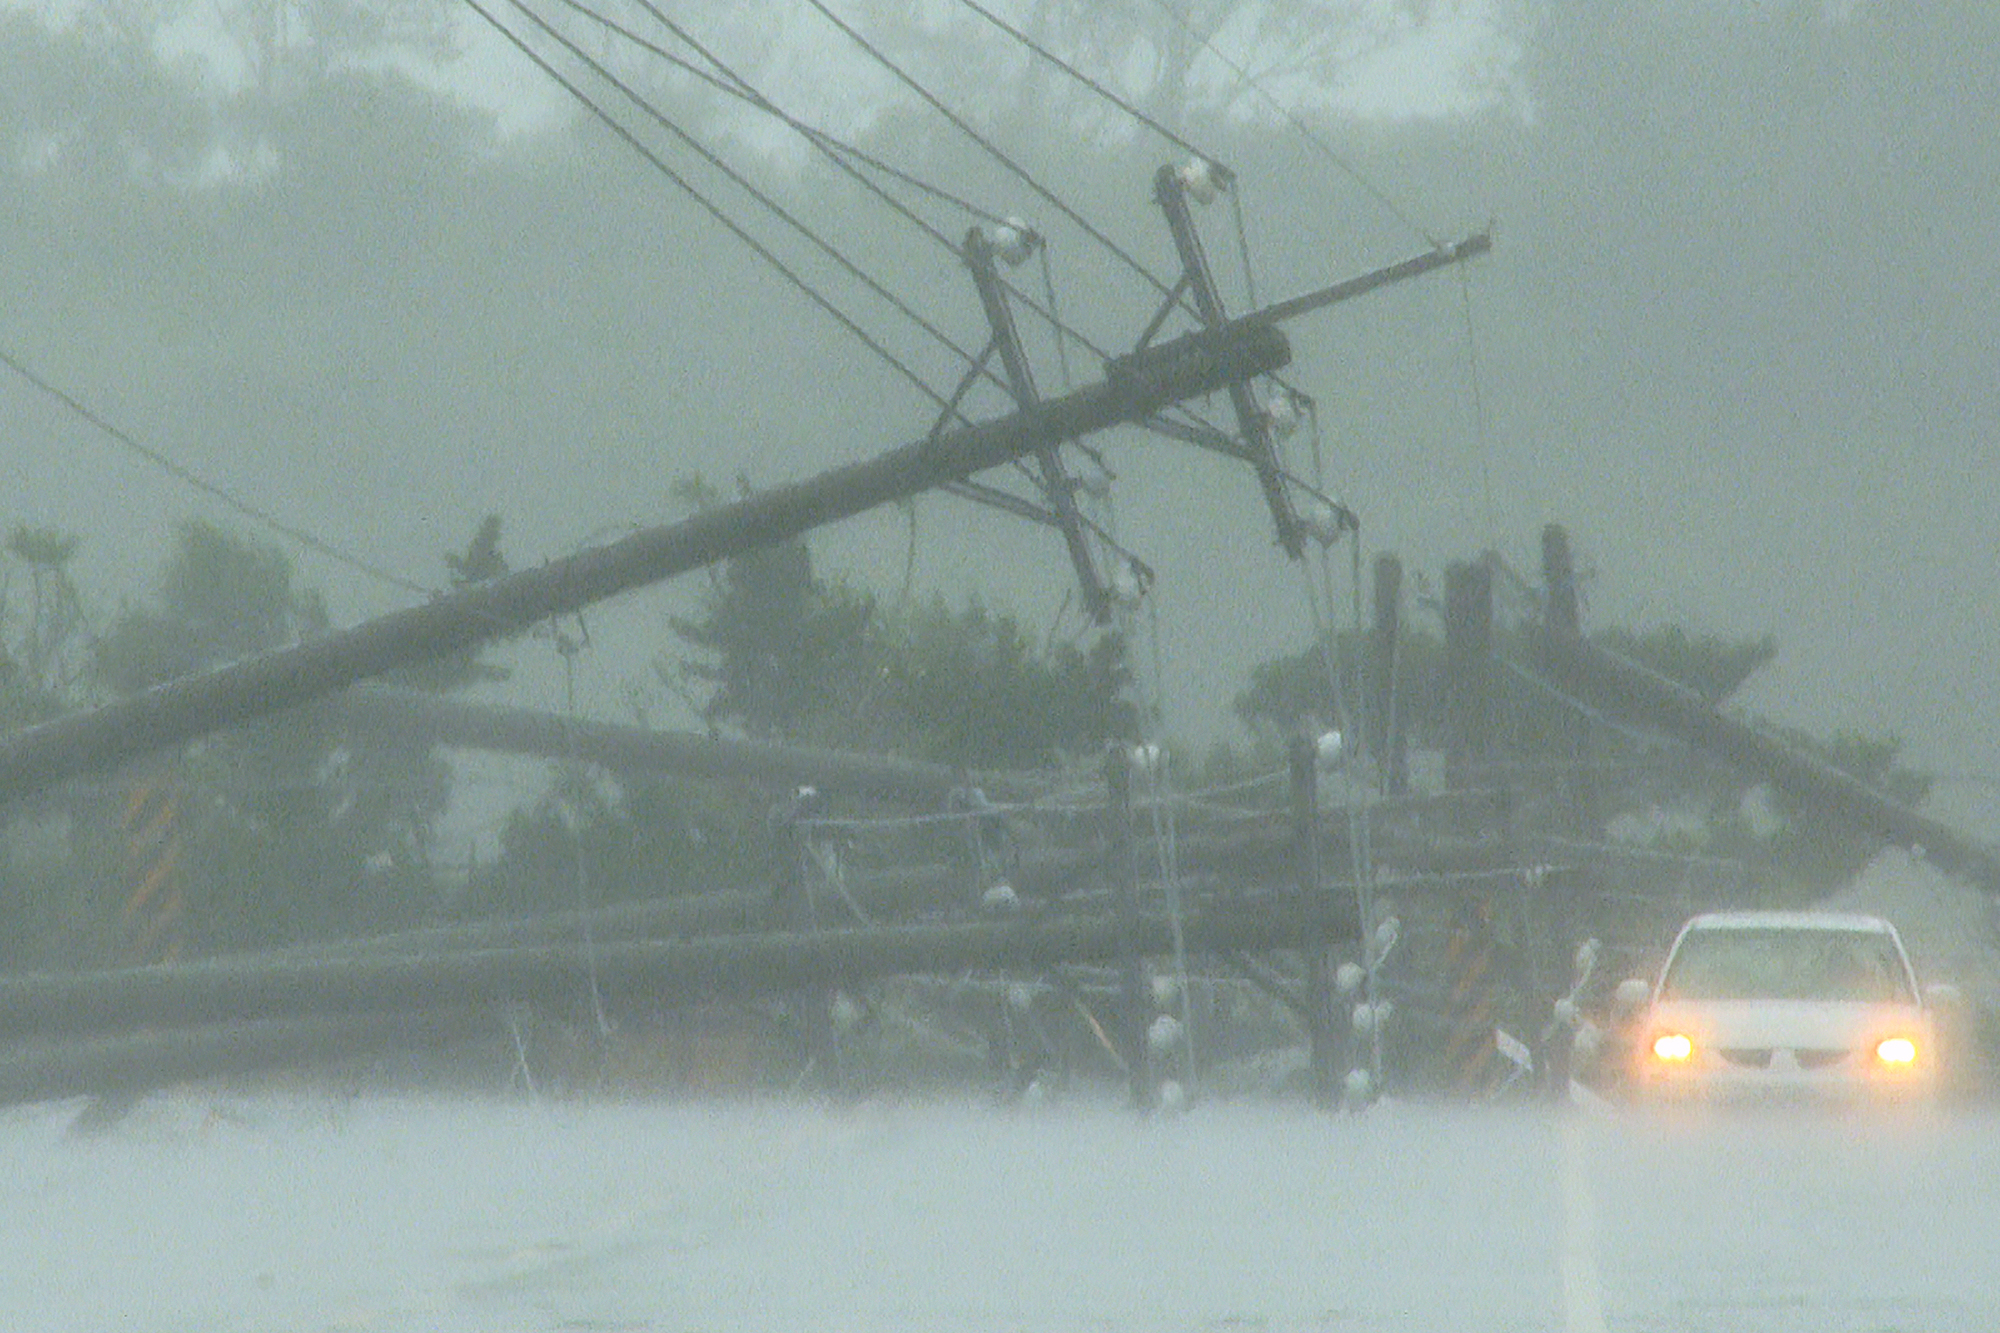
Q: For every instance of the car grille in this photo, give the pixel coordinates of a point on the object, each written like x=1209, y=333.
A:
x=1750, y=1057
x=1818, y=1059
x=1759, y=1057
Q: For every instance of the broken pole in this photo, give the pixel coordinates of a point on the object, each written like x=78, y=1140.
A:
x=136, y=1062
x=1058, y=488
x=1560, y=895
x=1253, y=425
x=628, y=750
x=1468, y=646
x=1385, y=723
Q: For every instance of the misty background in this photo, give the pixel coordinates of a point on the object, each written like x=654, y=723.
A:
x=370, y=270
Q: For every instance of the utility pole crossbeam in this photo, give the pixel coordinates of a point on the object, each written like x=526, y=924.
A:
x=1170, y=192
x=980, y=253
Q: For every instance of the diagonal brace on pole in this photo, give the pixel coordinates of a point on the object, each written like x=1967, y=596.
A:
x=1170, y=192
x=1057, y=485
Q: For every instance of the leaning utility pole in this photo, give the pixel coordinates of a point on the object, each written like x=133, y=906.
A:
x=48, y=1006
x=1628, y=691
x=1134, y=389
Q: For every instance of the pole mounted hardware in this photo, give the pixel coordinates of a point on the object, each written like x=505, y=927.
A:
x=982, y=251
x=1172, y=189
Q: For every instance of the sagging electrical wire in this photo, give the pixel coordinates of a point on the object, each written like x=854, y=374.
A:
x=837, y=151
x=659, y=164
x=1247, y=80
x=216, y=492
x=992, y=150
x=1134, y=112
x=732, y=84
x=773, y=206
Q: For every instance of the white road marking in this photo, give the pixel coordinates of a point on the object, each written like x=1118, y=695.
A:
x=1583, y=1301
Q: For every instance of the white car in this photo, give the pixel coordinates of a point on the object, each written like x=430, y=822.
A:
x=1757, y=1006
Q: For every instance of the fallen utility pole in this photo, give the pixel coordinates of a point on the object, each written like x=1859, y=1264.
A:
x=655, y=972
x=1133, y=389
x=1629, y=691
x=1248, y=862
x=436, y=720
x=140, y=1061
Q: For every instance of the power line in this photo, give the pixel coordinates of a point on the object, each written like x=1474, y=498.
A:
x=744, y=184
x=735, y=85
x=1088, y=82
x=659, y=164
x=991, y=149
x=750, y=95
x=1352, y=172
x=209, y=488
x=835, y=150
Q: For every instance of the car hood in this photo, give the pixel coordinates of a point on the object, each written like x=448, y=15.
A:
x=1785, y=1024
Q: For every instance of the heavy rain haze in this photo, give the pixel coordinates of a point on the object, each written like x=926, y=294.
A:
x=430, y=1216
x=1734, y=333
x=311, y=310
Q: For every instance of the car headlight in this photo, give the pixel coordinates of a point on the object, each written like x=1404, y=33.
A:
x=1673, y=1046
x=1896, y=1051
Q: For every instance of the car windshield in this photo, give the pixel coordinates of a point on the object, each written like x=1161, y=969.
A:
x=1786, y=964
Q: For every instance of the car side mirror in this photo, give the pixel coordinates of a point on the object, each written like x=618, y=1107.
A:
x=1631, y=995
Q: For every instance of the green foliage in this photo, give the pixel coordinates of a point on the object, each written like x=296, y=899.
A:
x=291, y=828
x=789, y=657
x=42, y=662
x=1874, y=761
x=593, y=843
x=784, y=655
x=1710, y=665
x=970, y=687
x=481, y=560
x=220, y=599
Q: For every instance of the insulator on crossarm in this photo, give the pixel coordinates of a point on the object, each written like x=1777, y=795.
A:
x=1013, y=241
x=1203, y=180
x=1326, y=521
x=1125, y=586
x=1284, y=413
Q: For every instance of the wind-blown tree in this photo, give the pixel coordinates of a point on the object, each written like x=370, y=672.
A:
x=44, y=665
x=791, y=657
